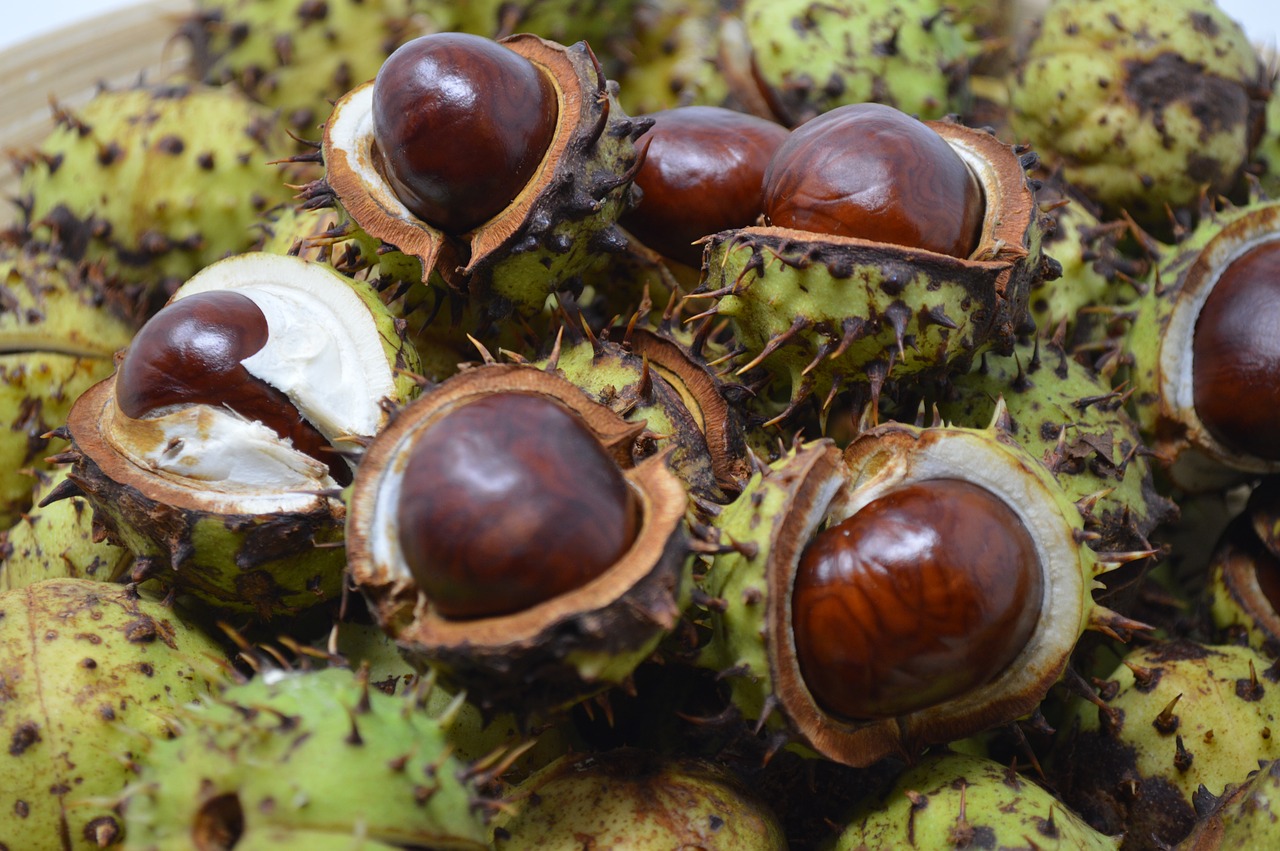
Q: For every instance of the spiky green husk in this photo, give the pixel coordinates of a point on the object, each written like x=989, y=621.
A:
x=1158, y=347
x=952, y=800
x=92, y=673
x=629, y=386
x=57, y=541
x=560, y=225
x=601, y=23
x=298, y=56
x=764, y=532
x=1067, y=415
x=813, y=57
x=639, y=800
x=1174, y=716
x=156, y=182
x=300, y=757
x=683, y=54
x=1245, y=817
x=1140, y=105
x=1267, y=156
x=37, y=390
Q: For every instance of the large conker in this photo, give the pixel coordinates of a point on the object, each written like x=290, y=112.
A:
x=460, y=124
x=191, y=353
x=873, y=172
x=507, y=501
x=1235, y=357
x=702, y=173
x=925, y=593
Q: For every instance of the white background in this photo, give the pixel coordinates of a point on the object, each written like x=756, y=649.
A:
x=22, y=19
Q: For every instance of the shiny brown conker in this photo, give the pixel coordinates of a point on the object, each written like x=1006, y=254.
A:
x=925, y=593
x=873, y=172
x=702, y=173
x=460, y=125
x=1235, y=360
x=191, y=353
x=507, y=501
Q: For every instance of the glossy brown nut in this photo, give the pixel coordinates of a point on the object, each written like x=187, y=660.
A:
x=927, y=592
x=191, y=353
x=461, y=124
x=703, y=173
x=508, y=501
x=1235, y=357
x=873, y=172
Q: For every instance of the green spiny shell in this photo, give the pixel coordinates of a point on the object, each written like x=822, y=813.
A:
x=57, y=541
x=560, y=225
x=37, y=390
x=1141, y=105
x=299, y=757
x=600, y=23
x=1267, y=155
x=748, y=585
x=680, y=54
x=1176, y=716
x=628, y=385
x=92, y=674
x=639, y=800
x=816, y=56
x=157, y=182
x=952, y=800
x=1067, y=415
x=298, y=56
x=1245, y=817
x=1158, y=346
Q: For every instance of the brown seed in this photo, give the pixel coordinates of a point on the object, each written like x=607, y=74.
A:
x=925, y=593
x=1236, y=355
x=461, y=124
x=508, y=501
x=873, y=172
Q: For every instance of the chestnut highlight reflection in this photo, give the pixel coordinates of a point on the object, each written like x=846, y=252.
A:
x=925, y=593
x=191, y=353
x=461, y=125
x=702, y=173
x=1236, y=355
x=873, y=172
x=508, y=501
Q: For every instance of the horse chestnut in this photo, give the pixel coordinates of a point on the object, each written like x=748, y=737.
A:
x=925, y=593
x=191, y=353
x=507, y=501
x=1235, y=359
x=461, y=124
x=702, y=173
x=873, y=172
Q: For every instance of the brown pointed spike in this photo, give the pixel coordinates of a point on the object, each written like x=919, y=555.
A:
x=353, y=735
x=1115, y=625
x=1167, y=721
x=802, y=393
x=553, y=361
x=798, y=325
x=144, y=568
x=1143, y=677
x=65, y=489
x=850, y=330
x=363, y=705
x=645, y=389
x=1182, y=758
x=484, y=353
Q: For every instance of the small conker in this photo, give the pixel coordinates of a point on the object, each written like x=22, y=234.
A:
x=460, y=124
x=702, y=173
x=191, y=353
x=508, y=501
x=873, y=172
x=1235, y=359
x=925, y=593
